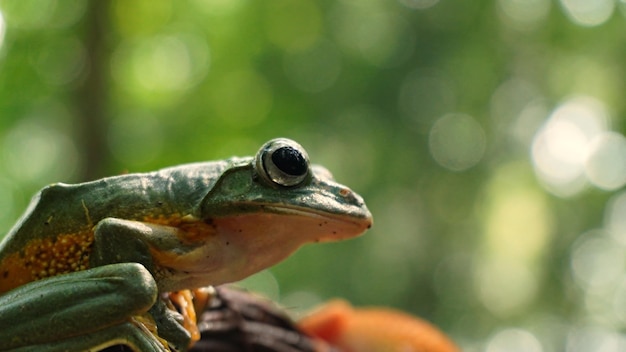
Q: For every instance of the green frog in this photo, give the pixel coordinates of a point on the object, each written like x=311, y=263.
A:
x=89, y=265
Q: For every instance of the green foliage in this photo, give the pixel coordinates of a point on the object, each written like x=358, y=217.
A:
x=485, y=137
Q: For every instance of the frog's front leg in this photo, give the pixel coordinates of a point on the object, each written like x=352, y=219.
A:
x=121, y=241
x=80, y=311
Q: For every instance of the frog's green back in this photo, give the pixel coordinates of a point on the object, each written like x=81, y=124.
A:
x=55, y=234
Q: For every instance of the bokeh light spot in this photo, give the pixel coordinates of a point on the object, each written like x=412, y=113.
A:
x=67, y=13
x=2, y=29
x=163, y=64
x=596, y=260
x=585, y=74
x=514, y=340
x=380, y=38
x=562, y=144
x=457, y=142
x=518, y=221
x=51, y=155
x=619, y=301
x=588, y=13
x=523, y=14
x=28, y=14
x=510, y=99
x=596, y=339
x=60, y=61
x=516, y=110
x=606, y=162
x=505, y=286
x=528, y=121
x=518, y=225
x=615, y=217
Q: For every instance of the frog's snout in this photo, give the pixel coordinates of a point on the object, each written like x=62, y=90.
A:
x=352, y=198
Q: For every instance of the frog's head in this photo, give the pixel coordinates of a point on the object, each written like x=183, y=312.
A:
x=277, y=201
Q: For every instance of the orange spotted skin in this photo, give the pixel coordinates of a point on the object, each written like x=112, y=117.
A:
x=55, y=235
x=373, y=330
x=46, y=257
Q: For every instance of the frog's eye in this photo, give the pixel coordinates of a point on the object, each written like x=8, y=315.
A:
x=283, y=162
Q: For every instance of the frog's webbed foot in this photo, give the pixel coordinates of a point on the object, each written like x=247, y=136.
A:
x=170, y=325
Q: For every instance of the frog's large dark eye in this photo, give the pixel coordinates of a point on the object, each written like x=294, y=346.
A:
x=282, y=162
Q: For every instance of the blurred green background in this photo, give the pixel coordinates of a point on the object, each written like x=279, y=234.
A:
x=485, y=136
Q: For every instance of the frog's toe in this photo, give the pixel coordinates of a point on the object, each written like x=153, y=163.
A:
x=170, y=326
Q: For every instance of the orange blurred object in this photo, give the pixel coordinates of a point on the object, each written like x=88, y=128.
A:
x=184, y=301
x=373, y=330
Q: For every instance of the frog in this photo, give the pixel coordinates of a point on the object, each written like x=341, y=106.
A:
x=89, y=265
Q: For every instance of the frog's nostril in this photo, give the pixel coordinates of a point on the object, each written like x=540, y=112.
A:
x=349, y=197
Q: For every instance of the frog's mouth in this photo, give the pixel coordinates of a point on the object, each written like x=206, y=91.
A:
x=337, y=226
